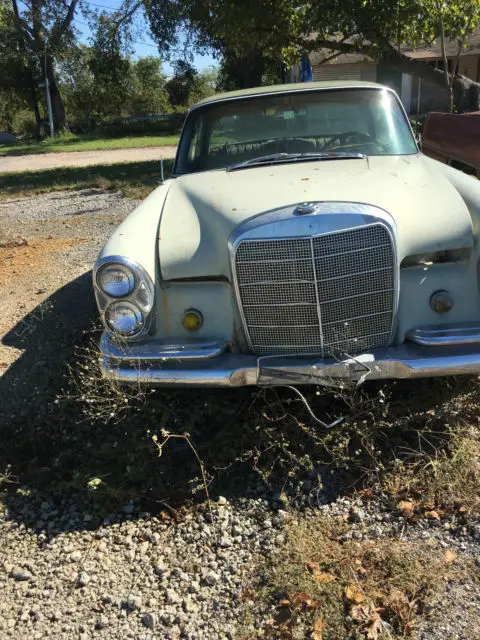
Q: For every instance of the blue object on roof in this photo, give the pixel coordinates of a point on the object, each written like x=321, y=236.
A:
x=306, y=74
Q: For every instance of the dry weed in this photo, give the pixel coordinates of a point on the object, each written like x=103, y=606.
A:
x=358, y=589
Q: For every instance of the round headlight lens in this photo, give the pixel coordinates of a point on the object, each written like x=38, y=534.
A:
x=124, y=318
x=116, y=280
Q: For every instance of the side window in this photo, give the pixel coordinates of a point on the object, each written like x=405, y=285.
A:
x=195, y=144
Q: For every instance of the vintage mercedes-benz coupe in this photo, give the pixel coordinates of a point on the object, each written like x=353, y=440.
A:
x=303, y=238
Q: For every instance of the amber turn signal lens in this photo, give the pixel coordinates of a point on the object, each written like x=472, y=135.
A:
x=441, y=301
x=192, y=320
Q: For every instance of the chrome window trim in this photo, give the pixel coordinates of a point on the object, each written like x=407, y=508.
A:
x=365, y=215
x=140, y=275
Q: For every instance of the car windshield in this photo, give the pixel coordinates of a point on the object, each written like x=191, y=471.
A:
x=343, y=121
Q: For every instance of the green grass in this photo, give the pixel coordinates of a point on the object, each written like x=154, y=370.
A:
x=85, y=143
x=134, y=179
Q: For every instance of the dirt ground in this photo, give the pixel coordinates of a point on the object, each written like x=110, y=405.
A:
x=83, y=158
x=48, y=245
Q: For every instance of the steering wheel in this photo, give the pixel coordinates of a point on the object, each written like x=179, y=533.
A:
x=350, y=138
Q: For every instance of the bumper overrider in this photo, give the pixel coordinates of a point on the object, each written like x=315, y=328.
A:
x=429, y=351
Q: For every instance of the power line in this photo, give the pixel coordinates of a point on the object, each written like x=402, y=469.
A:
x=102, y=6
x=147, y=44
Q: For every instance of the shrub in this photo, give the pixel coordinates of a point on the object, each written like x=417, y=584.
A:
x=152, y=126
x=24, y=123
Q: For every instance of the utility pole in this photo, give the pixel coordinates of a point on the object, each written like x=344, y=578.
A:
x=47, y=95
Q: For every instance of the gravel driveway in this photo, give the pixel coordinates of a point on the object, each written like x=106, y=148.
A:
x=69, y=570
x=35, y=162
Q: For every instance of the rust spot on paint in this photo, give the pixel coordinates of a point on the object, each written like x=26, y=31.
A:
x=234, y=209
x=304, y=179
x=165, y=318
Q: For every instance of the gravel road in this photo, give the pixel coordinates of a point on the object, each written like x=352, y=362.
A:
x=69, y=572
x=35, y=162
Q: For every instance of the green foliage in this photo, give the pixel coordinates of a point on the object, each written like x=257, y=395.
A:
x=188, y=86
x=22, y=122
x=120, y=128
x=148, y=94
x=96, y=86
x=98, y=140
x=250, y=35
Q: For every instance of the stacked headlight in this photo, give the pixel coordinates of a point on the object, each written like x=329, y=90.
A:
x=124, y=318
x=116, y=280
x=124, y=293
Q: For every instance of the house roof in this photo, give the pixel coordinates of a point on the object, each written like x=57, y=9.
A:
x=282, y=88
x=317, y=57
x=432, y=52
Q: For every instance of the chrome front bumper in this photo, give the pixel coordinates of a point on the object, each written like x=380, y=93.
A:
x=429, y=352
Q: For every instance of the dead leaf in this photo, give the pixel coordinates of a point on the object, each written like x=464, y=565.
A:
x=409, y=627
x=318, y=627
x=306, y=600
x=432, y=515
x=449, y=556
x=462, y=509
x=407, y=507
x=324, y=578
x=354, y=595
x=374, y=627
x=357, y=612
x=367, y=493
x=320, y=576
x=284, y=603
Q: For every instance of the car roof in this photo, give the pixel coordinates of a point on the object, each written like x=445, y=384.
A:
x=283, y=88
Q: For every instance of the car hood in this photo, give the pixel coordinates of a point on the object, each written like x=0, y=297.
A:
x=201, y=210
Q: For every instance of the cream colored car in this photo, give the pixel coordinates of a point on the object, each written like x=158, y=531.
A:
x=303, y=238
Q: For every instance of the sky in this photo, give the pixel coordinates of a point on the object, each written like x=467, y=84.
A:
x=144, y=45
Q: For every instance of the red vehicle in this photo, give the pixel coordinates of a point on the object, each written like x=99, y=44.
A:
x=454, y=139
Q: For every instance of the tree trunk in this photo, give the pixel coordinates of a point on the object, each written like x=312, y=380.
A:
x=253, y=67
x=34, y=100
x=245, y=69
x=58, y=108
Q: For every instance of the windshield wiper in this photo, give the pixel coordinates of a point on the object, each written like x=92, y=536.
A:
x=278, y=158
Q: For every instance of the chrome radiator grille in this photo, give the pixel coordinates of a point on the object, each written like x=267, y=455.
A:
x=330, y=295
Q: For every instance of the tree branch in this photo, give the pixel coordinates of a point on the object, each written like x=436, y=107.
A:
x=59, y=29
x=127, y=15
x=341, y=46
x=23, y=28
x=335, y=54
